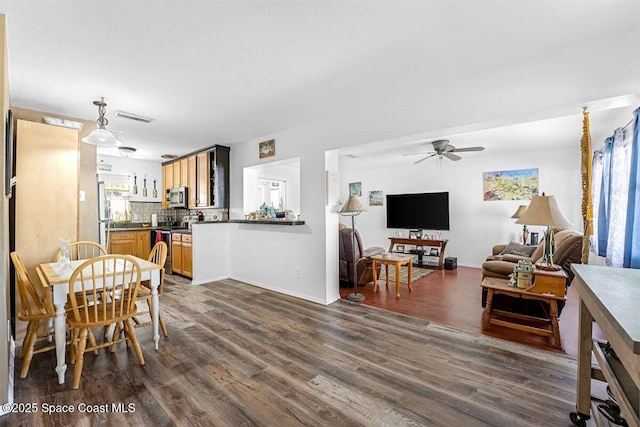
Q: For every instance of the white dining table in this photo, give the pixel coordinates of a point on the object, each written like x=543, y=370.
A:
x=56, y=277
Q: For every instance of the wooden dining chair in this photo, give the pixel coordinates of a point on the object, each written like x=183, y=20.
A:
x=100, y=279
x=34, y=308
x=158, y=255
x=84, y=249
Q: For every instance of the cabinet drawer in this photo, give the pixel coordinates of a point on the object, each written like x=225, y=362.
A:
x=186, y=238
x=176, y=237
x=122, y=235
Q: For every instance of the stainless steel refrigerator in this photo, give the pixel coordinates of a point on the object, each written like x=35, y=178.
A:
x=105, y=215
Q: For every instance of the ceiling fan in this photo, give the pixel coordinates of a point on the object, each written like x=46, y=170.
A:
x=442, y=148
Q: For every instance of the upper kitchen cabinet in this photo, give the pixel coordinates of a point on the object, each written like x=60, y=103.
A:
x=219, y=177
x=205, y=174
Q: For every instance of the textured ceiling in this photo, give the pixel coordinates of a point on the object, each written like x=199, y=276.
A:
x=225, y=72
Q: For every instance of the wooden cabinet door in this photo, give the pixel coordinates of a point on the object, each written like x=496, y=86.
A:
x=187, y=260
x=184, y=172
x=192, y=182
x=176, y=254
x=122, y=242
x=203, y=179
x=176, y=174
x=168, y=175
x=143, y=244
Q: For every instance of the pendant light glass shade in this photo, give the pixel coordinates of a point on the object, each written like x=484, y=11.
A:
x=101, y=136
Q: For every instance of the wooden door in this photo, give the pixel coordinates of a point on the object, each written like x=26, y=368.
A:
x=46, y=194
x=203, y=179
x=192, y=182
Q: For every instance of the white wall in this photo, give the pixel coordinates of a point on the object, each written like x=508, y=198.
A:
x=129, y=166
x=475, y=225
x=565, y=78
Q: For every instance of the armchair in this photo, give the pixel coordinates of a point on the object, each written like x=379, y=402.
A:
x=568, y=250
x=364, y=272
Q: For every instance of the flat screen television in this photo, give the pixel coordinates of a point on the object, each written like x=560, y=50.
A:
x=420, y=211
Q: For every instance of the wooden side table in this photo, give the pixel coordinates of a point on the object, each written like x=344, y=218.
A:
x=397, y=260
x=496, y=286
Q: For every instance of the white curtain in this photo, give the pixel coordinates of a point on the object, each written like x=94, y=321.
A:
x=617, y=195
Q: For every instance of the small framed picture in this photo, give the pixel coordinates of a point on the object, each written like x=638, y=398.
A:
x=267, y=148
x=399, y=248
x=434, y=252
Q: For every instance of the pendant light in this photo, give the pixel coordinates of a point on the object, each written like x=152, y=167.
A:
x=101, y=136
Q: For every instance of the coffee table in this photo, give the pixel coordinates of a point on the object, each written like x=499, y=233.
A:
x=501, y=286
x=391, y=259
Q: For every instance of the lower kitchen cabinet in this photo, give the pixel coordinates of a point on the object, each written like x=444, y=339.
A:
x=136, y=243
x=181, y=253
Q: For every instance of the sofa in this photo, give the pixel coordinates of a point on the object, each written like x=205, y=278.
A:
x=363, y=263
x=500, y=264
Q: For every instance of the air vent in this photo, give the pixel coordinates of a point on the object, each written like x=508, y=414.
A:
x=169, y=156
x=131, y=116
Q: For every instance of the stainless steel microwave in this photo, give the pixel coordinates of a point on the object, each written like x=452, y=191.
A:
x=177, y=197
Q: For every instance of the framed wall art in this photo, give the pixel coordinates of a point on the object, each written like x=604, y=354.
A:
x=267, y=148
x=518, y=184
x=375, y=198
x=355, y=189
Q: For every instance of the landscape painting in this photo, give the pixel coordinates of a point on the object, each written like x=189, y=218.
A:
x=518, y=184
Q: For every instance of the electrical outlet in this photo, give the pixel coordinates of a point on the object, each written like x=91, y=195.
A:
x=298, y=274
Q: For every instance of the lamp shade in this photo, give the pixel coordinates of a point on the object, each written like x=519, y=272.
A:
x=543, y=210
x=352, y=206
x=101, y=137
x=521, y=210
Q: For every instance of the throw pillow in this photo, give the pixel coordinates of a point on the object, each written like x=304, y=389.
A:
x=515, y=248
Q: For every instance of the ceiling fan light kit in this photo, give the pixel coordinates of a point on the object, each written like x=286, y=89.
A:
x=101, y=136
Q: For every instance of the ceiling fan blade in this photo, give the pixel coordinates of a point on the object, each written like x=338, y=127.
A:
x=451, y=156
x=468, y=149
x=424, y=158
x=415, y=154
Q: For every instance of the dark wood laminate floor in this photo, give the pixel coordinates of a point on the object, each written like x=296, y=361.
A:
x=453, y=298
x=240, y=355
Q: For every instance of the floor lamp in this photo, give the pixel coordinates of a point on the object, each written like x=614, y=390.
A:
x=352, y=208
x=543, y=210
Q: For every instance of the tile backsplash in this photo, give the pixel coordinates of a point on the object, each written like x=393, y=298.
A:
x=142, y=211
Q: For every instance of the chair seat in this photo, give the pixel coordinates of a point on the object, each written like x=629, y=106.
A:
x=101, y=318
x=34, y=313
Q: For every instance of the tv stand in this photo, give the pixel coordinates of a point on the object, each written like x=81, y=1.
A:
x=440, y=244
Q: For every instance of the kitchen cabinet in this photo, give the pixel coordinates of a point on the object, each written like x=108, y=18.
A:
x=219, y=177
x=184, y=173
x=167, y=183
x=176, y=174
x=182, y=255
x=192, y=180
x=202, y=179
x=204, y=173
x=136, y=243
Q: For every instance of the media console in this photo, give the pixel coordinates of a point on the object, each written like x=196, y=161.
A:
x=424, y=243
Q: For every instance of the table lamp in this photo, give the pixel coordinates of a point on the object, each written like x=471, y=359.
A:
x=544, y=210
x=517, y=215
x=352, y=208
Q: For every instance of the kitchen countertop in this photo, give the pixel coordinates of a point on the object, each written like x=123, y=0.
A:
x=267, y=221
